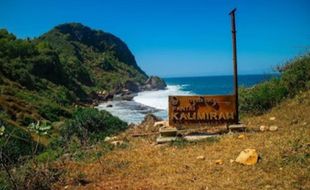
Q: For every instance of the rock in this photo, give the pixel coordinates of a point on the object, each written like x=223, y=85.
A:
x=107, y=96
x=131, y=125
x=161, y=124
x=263, y=128
x=231, y=161
x=273, y=128
x=219, y=162
x=154, y=83
x=148, y=123
x=109, y=106
x=247, y=157
x=241, y=136
x=304, y=123
x=117, y=143
x=193, y=138
x=237, y=127
x=200, y=158
x=272, y=118
x=128, y=97
x=132, y=86
x=168, y=132
x=160, y=139
x=107, y=139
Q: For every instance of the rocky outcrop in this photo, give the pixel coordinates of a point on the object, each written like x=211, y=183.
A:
x=154, y=83
x=147, y=125
x=132, y=86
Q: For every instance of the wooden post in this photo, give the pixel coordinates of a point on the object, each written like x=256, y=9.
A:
x=234, y=43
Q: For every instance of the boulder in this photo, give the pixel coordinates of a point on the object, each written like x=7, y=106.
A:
x=127, y=97
x=247, y=157
x=147, y=125
x=132, y=86
x=154, y=83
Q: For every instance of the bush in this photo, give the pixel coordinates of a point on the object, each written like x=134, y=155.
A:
x=89, y=124
x=53, y=112
x=262, y=97
x=16, y=143
x=295, y=77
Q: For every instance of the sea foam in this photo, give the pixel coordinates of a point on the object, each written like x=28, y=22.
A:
x=155, y=102
x=159, y=99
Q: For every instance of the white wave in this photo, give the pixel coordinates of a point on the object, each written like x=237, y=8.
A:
x=159, y=99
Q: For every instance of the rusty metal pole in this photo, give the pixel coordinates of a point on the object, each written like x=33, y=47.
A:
x=234, y=43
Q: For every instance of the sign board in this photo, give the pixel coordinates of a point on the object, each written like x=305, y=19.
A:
x=196, y=111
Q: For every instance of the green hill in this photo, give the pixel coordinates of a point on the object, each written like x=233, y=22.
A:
x=46, y=82
x=42, y=78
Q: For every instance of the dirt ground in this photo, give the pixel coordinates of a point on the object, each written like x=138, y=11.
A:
x=142, y=164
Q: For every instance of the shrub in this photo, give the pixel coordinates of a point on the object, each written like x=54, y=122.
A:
x=262, y=97
x=91, y=124
x=16, y=143
x=53, y=112
x=295, y=77
x=27, y=120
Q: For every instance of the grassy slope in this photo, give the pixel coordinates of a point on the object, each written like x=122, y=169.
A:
x=284, y=163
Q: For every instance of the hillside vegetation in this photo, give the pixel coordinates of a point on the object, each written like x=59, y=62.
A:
x=43, y=78
x=294, y=78
x=45, y=84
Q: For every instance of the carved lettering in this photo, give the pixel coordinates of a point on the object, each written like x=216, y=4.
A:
x=191, y=110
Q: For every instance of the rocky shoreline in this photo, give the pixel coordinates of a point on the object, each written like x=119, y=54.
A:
x=128, y=91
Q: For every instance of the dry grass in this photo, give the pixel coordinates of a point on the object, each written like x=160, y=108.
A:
x=284, y=163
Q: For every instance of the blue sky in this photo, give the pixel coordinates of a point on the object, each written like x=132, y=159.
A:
x=179, y=37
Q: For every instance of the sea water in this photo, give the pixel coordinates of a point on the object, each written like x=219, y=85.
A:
x=156, y=102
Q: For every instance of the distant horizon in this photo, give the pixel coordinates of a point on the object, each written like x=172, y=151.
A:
x=224, y=75
x=177, y=38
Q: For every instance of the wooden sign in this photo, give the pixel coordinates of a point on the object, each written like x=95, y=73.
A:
x=196, y=111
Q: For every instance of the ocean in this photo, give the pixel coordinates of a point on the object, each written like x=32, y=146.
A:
x=156, y=102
